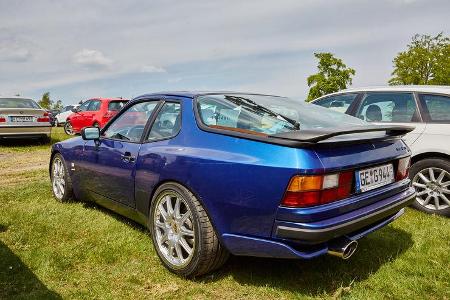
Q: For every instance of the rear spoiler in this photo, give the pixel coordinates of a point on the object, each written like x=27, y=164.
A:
x=318, y=135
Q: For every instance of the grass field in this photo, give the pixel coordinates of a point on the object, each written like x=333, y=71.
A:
x=50, y=250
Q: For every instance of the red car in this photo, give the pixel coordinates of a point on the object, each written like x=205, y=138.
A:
x=93, y=112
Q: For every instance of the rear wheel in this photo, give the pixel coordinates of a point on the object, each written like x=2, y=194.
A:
x=431, y=179
x=68, y=129
x=182, y=233
x=61, y=183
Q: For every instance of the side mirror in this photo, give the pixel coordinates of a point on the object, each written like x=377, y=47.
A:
x=74, y=110
x=90, y=133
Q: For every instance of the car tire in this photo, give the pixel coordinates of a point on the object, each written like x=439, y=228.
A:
x=431, y=179
x=60, y=179
x=68, y=128
x=172, y=237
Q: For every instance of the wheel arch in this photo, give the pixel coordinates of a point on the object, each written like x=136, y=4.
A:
x=197, y=195
x=421, y=156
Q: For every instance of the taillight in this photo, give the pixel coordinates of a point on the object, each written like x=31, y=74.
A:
x=403, y=168
x=2, y=119
x=305, y=191
x=45, y=118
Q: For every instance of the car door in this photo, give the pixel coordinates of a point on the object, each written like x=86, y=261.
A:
x=88, y=115
x=109, y=166
x=77, y=118
x=397, y=108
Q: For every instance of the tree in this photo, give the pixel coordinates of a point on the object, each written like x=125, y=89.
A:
x=426, y=61
x=58, y=105
x=333, y=76
x=45, y=102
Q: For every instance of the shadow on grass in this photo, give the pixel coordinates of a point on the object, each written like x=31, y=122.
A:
x=321, y=275
x=18, y=281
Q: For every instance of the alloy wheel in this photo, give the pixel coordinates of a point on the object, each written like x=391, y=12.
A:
x=433, y=188
x=58, y=178
x=174, y=229
x=68, y=128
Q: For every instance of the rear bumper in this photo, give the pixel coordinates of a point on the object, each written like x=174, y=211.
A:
x=25, y=131
x=324, y=230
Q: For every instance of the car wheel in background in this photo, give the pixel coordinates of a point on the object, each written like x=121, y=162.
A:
x=182, y=233
x=60, y=179
x=431, y=179
x=68, y=128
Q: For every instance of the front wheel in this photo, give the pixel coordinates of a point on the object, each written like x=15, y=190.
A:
x=68, y=129
x=431, y=179
x=182, y=233
x=61, y=183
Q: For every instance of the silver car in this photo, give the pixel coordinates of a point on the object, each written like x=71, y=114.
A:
x=425, y=107
x=23, y=118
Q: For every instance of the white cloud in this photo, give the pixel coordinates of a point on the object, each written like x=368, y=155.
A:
x=152, y=69
x=92, y=59
x=14, y=53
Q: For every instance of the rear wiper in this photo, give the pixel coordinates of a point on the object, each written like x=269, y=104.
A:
x=236, y=100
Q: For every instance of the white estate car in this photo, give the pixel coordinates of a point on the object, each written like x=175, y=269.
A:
x=23, y=118
x=60, y=119
x=425, y=107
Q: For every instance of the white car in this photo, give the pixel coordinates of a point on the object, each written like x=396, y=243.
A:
x=60, y=119
x=425, y=107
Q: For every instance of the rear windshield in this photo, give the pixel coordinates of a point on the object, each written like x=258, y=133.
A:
x=267, y=115
x=116, y=105
x=17, y=103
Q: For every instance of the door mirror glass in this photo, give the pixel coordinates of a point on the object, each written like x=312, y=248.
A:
x=90, y=133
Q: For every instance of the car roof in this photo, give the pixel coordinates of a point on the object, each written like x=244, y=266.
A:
x=15, y=97
x=192, y=94
x=107, y=99
x=441, y=89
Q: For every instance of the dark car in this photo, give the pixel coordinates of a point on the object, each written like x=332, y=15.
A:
x=258, y=175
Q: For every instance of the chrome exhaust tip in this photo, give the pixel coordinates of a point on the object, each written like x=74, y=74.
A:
x=343, y=248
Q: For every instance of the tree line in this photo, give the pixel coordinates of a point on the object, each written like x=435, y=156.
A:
x=426, y=61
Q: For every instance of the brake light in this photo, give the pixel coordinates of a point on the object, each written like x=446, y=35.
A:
x=45, y=118
x=305, y=191
x=403, y=168
x=2, y=119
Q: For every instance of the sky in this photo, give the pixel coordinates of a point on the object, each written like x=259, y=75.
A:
x=81, y=49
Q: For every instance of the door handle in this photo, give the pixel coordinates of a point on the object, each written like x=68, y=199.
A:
x=127, y=157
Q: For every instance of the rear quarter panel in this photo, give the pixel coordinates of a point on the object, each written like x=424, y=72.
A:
x=435, y=139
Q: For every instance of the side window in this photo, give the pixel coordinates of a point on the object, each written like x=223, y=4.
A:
x=338, y=103
x=437, y=107
x=84, y=106
x=388, y=107
x=167, y=123
x=94, y=105
x=129, y=126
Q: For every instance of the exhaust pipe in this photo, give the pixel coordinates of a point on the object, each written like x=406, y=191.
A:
x=343, y=248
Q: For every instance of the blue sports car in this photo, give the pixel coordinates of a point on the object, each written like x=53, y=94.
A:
x=216, y=173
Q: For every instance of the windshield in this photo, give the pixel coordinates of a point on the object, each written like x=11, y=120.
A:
x=18, y=103
x=258, y=114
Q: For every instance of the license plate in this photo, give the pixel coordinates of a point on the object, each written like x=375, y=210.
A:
x=372, y=178
x=22, y=119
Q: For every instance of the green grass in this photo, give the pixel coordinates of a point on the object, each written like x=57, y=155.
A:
x=50, y=250
x=14, y=145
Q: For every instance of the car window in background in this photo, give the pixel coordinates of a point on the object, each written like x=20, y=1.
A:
x=116, y=105
x=94, y=105
x=84, y=106
x=18, y=103
x=437, y=107
x=388, y=107
x=257, y=114
x=129, y=126
x=167, y=123
x=338, y=103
